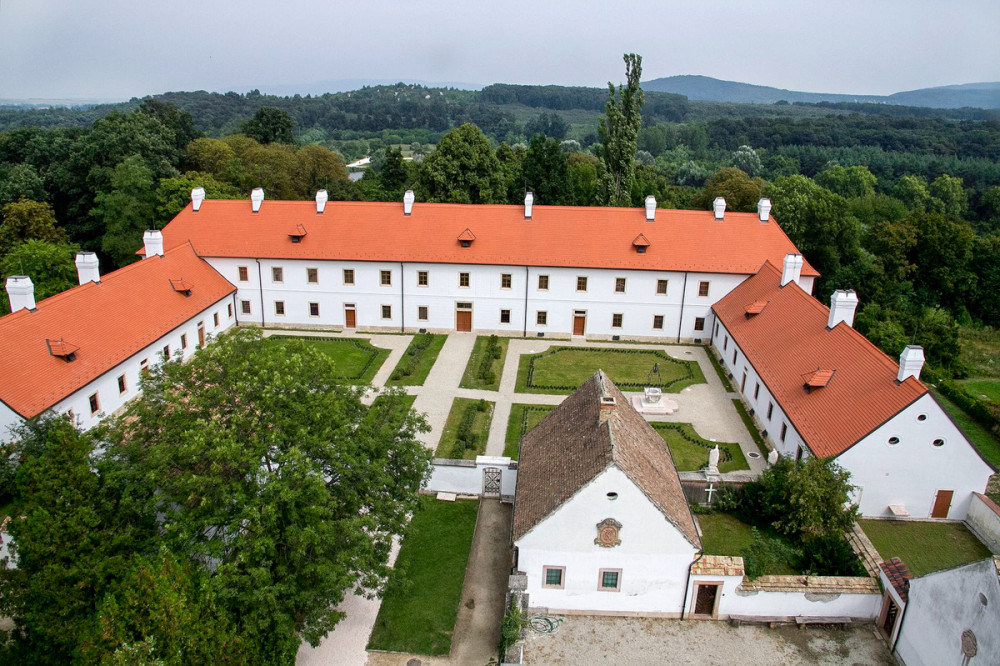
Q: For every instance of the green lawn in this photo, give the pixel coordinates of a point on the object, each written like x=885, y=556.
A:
x=690, y=452
x=720, y=371
x=981, y=438
x=421, y=600
x=924, y=547
x=473, y=379
x=522, y=419
x=480, y=429
x=725, y=534
x=417, y=361
x=990, y=388
x=979, y=350
x=356, y=360
x=752, y=427
x=560, y=370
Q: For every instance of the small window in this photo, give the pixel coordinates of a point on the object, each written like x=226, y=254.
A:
x=893, y=441
x=658, y=321
x=244, y=274
x=581, y=283
x=505, y=280
x=541, y=317
x=386, y=312
x=543, y=282
x=699, y=323
x=661, y=287
x=734, y=357
x=166, y=352
x=553, y=577
x=610, y=580
x=385, y=278
x=144, y=367
x=422, y=279
x=348, y=276
x=612, y=496
x=725, y=343
x=229, y=310
x=770, y=410
x=245, y=307
x=619, y=285
x=463, y=279
x=422, y=313
x=616, y=321
x=938, y=442
x=312, y=275
x=716, y=333
x=122, y=385
x=703, y=288
x=756, y=390
x=184, y=341
x=505, y=316
x=277, y=274
x=784, y=431
x=215, y=319
x=314, y=309
x=922, y=417
x=95, y=403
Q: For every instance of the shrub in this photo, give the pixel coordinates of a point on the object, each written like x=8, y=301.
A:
x=767, y=554
x=510, y=629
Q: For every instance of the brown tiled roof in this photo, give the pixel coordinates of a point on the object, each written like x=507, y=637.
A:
x=576, y=442
x=899, y=576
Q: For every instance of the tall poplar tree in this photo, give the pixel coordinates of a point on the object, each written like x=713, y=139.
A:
x=619, y=132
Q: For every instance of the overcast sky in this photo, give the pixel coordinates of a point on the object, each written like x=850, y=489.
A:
x=104, y=49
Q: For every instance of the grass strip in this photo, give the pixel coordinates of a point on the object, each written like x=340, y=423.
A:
x=417, y=360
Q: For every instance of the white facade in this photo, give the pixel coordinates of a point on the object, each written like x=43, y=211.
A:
x=652, y=559
x=467, y=477
x=8, y=419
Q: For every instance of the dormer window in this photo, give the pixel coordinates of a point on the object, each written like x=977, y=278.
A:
x=466, y=238
x=640, y=243
x=62, y=349
x=755, y=308
x=181, y=287
x=297, y=233
x=817, y=379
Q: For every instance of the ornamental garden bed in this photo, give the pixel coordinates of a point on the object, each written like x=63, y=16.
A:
x=924, y=546
x=417, y=361
x=425, y=588
x=485, y=366
x=466, y=430
x=690, y=452
x=560, y=370
x=522, y=419
x=356, y=360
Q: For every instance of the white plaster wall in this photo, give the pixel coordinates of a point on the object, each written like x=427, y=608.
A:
x=943, y=605
x=982, y=520
x=910, y=473
x=795, y=604
x=653, y=556
x=8, y=419
x=449, y=476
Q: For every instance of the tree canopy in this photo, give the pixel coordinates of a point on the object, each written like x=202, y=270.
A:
x=619, y=131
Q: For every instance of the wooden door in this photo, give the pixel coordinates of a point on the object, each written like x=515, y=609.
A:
x=463, y=320
x=579, y=323
x=704, y=603
x=889, y=613
x=942, y=502
x=349, y=318
x=201, y=335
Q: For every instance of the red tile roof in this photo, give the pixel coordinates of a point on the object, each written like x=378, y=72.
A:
x=107, y=322
x=567, y=236
x=899, y=576
x=789, y=340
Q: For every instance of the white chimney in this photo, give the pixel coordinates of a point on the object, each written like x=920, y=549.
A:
x=408, y=198
x=650, y=208
x=529, y=199
x=843, y=303
x=719, y=207
x=21, y=293
x=87, y=267
x=257, y=198
x=764, y=209
x=911, y=362
x=792, y=270
x=321, y=198
x=153, y=242
x=197, y=196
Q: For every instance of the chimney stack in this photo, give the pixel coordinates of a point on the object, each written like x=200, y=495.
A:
x=21, y=293
x=911, y=362
x=529, y=199
x=764, y=209
x=719, y=207
x=650, y=208
x=843, y=303
x=608, y=404
x=792, y=270
x=152, y=240
x=257, y=198
x=408, y=199
x=197, y=196
x=87, y=267
x=321, y=198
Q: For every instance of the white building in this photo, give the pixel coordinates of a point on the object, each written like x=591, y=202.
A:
x=818, y=387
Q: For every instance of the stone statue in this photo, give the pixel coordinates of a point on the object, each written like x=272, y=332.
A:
x=713, y=460
x=772, y=457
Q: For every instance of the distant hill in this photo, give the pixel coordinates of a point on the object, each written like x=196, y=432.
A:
x=707, y=89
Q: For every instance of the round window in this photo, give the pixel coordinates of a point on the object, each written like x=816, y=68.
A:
x=939, y=442
x=922, y=417
x=612, y=496
x=893, y=441
x=982, y=599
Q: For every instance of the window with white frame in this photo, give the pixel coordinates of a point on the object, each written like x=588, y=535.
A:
x=277, y=274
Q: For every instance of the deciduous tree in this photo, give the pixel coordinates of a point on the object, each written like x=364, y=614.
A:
x=463, y=169
x=619, y=130
x=270, y=125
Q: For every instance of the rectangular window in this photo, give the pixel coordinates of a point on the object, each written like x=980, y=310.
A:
x=122, y=385
x=95, y=403
x=553, y=577
x=505, y=316
x=703, y=288
x=229, y=310
x=245, y=307
x=616, y=321
x=312, y=275
x=422, y=313
x=277, y=274
x=756, y=390
x=215, y=319
x=610, y=580
x=734, y=357
x=541, y=317
x=619, y=285
x=463, y=279
x=505, y=280
x=348, y=276
x=543, y=283
x=581, y=283
x=784, y=431
x=184, y=341
x=166, y=352
x=699, y=323
x=314, y=309
x=657, y=321
x=661, y=287
x=422, y=278
x=770, y=410
x=244, y=274
x=725, y=343
x=386, y=312
x=716, y=334
x=385, y=278
x=144, y=367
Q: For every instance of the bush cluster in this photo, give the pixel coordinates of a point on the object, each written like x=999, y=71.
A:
x=413, y=356
x=491, y=353
x=467, y=438
x=985, y=412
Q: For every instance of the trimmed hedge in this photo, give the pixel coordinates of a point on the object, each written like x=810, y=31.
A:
x=466, y=438
x=411, y=359
x=688, y=373
x=984, y=412
x=491, y=353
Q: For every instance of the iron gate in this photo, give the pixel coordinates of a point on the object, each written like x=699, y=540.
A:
x=491, y=481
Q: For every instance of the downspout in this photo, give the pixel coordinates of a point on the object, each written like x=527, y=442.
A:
x=526, y=277
x=236, y=310
x=701, y=554
x=683, y=296
x=260, y=283
x=402, y=299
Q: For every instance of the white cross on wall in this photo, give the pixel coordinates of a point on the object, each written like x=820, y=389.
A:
x=711, y=489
